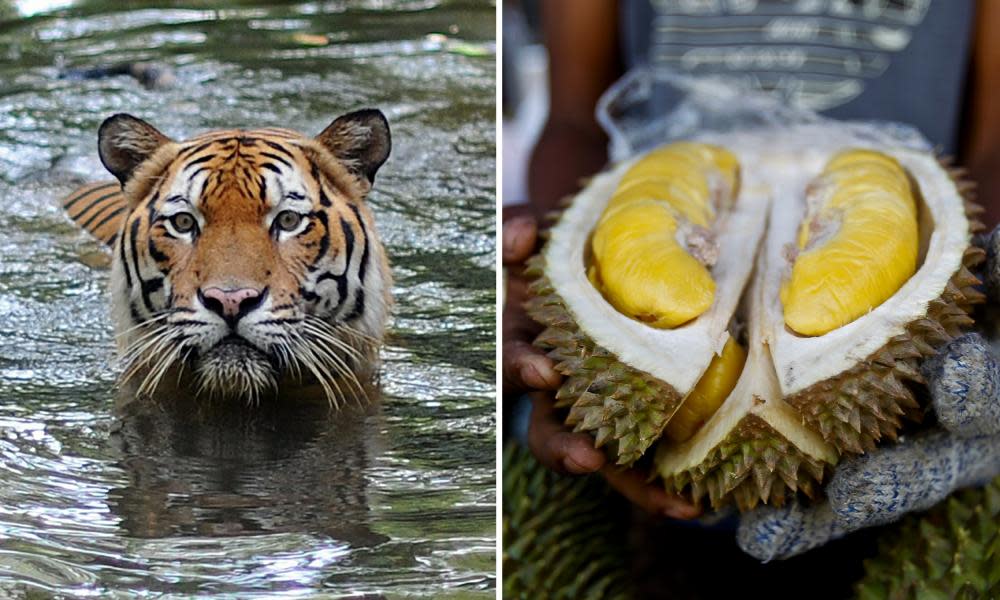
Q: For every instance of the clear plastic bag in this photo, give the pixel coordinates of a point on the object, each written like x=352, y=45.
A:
x=646, y=108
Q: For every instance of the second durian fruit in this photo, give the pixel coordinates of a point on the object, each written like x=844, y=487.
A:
x=747, y=317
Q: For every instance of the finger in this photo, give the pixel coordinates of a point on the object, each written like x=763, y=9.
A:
x=881, y=487
x=633, y=484
x=520, y=235
x=527, y=368
x=964, y=382
x=524, y=366
x=556, y=447
x=769, y=533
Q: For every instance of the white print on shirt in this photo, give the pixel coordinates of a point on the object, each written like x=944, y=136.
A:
x=815, y=54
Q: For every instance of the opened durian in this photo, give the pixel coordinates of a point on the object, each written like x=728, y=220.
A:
x=754, y=307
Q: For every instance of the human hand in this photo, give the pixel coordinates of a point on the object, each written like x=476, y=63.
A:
x=912, y=475
x=525, y=368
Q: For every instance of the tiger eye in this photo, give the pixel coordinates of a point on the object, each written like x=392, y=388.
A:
x=183, y=222
x=288, y=220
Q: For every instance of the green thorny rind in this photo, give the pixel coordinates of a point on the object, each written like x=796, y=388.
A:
x=753, y=464
x=952, y=551
x=624, y=409
x=856, y=409
x=561, y=540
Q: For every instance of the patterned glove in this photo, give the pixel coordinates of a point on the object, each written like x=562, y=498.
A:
x=912, y=475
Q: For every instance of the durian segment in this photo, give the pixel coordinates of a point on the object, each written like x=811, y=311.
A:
x=706, y=397
x=653, y=246
x=803, y=361
x=855, y=384
x=674, y=357
x=857, y=245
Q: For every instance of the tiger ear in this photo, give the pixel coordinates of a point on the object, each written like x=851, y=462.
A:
x=360, y=140
x=124, y=142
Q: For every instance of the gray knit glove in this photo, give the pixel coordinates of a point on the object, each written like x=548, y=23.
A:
x=911, y=475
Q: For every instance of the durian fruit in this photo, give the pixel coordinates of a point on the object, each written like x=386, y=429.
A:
x=561, y=539
x=871, y=244
x=952, y=551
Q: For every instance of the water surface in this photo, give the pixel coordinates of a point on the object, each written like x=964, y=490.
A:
x=166, y=500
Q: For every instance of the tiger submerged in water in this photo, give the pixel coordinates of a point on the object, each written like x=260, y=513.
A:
x=243, y=261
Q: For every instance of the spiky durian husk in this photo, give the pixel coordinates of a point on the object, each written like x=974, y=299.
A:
x=857, y=408
x=754, y=464
x=624, y=409
x=560, y=540
x=953, y=551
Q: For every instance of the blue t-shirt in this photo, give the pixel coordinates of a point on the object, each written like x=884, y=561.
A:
x=898, y=60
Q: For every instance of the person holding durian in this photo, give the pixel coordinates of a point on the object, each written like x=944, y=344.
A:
x=790, y=385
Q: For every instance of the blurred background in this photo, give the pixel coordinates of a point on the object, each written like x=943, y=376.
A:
x=393, y=502
x=525, y=94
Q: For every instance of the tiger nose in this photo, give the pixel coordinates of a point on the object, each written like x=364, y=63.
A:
x=231, y=304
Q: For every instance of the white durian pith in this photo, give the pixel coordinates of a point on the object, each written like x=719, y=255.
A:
x=800, y=401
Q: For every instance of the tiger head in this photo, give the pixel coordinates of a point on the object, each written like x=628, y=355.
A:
x=249, y=258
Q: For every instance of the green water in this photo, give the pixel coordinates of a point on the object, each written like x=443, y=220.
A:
x=284, y=501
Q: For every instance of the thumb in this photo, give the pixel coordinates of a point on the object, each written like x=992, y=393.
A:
x=771, y=533
x=964, y=382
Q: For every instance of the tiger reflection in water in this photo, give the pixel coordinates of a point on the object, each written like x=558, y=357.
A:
x=217, y=470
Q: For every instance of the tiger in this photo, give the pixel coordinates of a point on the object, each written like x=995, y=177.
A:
x=243, y=261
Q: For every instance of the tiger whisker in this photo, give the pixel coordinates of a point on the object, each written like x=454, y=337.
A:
x=315, y=353
x=155, y=375
x=139, y=355
x=366, y=339
x=330, y=347
x=327, y=331
x=140, y=349
x=336, y=345
x=314, y=369
x=150, y=321
x=342, y=368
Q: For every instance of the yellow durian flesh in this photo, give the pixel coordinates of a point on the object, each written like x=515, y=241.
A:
x=839, y=276
x=662, y=210
x=710, y=392
x=638, y=240
x=687, y=161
